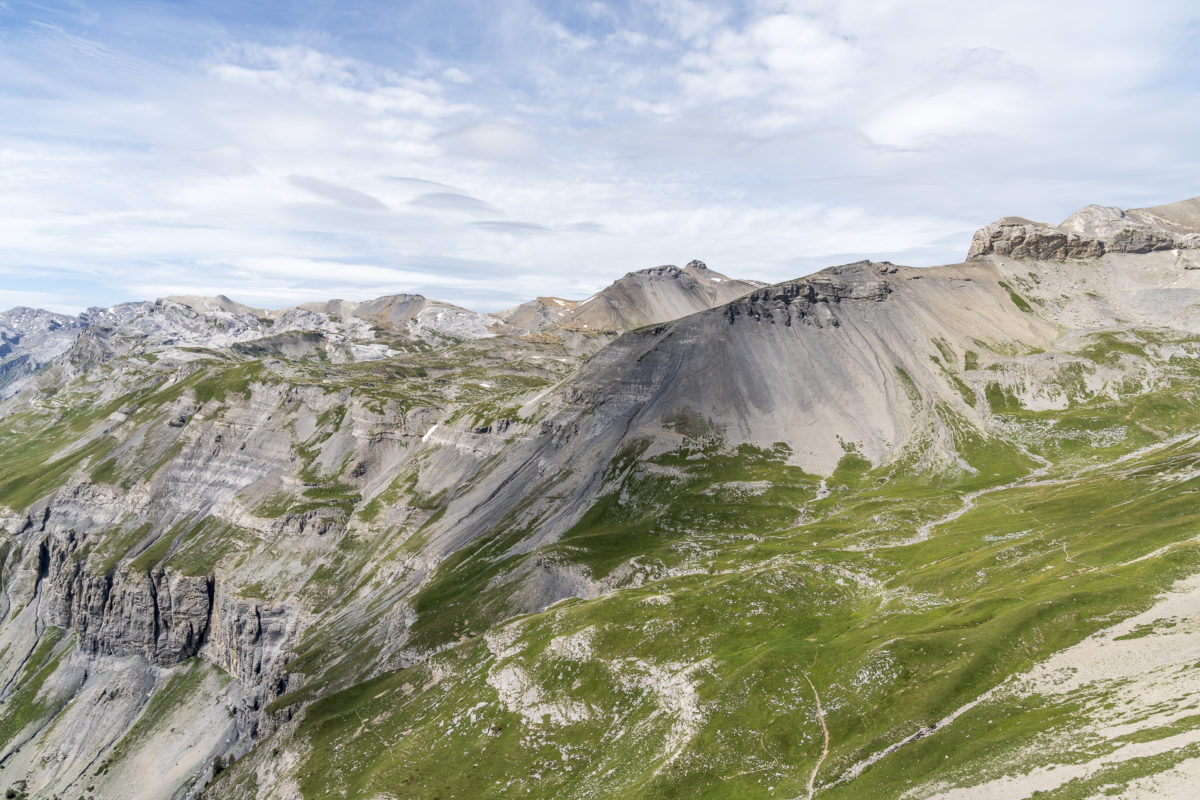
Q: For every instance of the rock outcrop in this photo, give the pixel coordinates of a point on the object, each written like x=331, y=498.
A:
x=161, y=615
x=1091, y=232
x=1015, y=237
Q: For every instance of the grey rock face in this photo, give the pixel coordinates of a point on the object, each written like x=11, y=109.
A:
x=538, y=314
x=1129, y=232
x=166, y=618
x=415, y=315
x=1091, y=232
x=246, y=639
x=29, y=339
x=800, y=301
x=161, y=615
x=1020, y=238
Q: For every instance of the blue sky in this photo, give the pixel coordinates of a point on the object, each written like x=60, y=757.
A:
x=485, y=152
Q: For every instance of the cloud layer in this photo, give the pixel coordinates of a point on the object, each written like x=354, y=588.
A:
x=485, y=153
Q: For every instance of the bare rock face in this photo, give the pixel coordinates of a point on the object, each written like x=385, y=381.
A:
x=806, y=300
x=160, y=615
x=29, y=338
x=1020, y=238
x=247, y=640
x=1091, y=232
x=538, y=314
x=1136, y=231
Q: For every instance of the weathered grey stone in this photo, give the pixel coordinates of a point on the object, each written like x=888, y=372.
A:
x=1015, y=237
x=1091, y=232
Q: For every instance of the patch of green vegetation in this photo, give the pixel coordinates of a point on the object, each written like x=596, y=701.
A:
x=1001, y=399
x=333, y=491
x=32, y=472
x=276, y=505
x=964, y=391
x=153, y=555
x=946, y=351
x=203, y=546
x=106, y=472
x=28, y=704
x=1107, y=348
x=1142, y=631
x=1018, y=301
x=237, y=379
x=114, y=545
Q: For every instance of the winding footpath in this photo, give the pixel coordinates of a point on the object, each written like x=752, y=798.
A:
x=812, y=778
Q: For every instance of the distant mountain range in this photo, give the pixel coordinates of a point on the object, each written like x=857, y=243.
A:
x=32, y=338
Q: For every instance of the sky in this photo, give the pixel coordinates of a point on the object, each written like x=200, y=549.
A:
x=484, y=152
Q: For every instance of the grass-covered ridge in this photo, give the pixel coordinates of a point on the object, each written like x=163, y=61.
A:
x=696, y=683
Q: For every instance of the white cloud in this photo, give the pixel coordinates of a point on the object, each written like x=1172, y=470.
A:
x=692, y=20
x=551, y=154
x=962, y=111
x=499, y=141
x=342, y=195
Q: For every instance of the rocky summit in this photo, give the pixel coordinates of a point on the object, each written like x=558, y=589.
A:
x=879, y=532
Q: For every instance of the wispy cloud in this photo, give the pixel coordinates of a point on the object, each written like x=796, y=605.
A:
x=450, y=201
x=342, y=195
x=511, y=226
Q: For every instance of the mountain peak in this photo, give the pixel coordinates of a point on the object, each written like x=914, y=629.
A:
x=220, y=303
x=657, y=294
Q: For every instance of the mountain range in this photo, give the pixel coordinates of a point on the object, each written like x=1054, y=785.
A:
x=880, y=531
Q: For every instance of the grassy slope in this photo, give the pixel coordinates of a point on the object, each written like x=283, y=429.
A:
x=691, y=678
